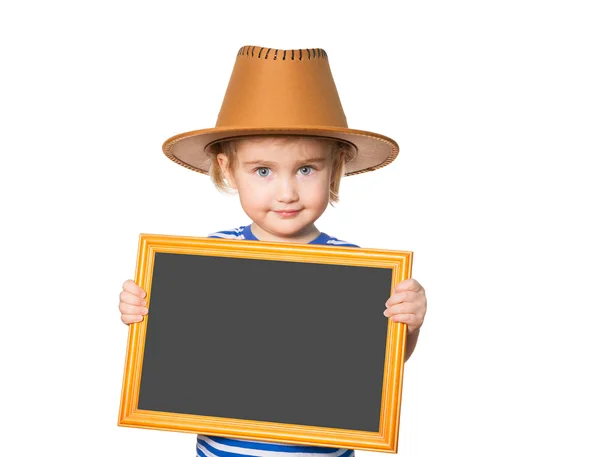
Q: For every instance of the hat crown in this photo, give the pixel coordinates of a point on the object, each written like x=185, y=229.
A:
x=281, y=88
x=281, y=92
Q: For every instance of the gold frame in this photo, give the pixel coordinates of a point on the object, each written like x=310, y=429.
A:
x=385, y=440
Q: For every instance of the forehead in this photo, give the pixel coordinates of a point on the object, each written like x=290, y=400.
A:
x=282, y=149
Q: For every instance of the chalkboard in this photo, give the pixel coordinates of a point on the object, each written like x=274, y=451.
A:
x=269, y=341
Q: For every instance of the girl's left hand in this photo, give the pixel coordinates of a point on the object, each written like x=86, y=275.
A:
x=408, y=304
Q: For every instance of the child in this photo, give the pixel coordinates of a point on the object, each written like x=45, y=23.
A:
x=282, y=143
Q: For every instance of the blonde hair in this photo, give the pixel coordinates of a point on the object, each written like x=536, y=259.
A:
x=342, y=153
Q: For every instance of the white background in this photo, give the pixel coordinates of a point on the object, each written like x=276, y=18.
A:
x=495, y=106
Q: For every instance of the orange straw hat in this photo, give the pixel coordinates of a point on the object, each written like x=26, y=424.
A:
x=281, y=92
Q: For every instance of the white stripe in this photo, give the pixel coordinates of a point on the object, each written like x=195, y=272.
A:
x=238, y=233
x=336, y=241
x=226, y=235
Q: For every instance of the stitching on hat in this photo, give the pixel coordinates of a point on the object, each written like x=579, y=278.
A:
x=296, y=54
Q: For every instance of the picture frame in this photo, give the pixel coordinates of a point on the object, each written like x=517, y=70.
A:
x=328, y=360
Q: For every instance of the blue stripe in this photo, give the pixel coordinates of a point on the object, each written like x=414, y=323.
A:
x=226, y=232
x=263, y=447
x=272, y=446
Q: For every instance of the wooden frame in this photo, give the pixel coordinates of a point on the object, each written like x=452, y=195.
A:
x=385, y=440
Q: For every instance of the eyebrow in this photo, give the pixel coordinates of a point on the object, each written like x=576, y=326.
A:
x=266, y=162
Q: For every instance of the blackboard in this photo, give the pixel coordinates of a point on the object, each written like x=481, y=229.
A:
x=269, y=341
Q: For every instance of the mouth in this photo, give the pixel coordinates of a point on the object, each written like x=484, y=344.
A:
x=288, y=213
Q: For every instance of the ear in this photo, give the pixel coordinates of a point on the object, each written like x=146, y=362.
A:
x=223, y=161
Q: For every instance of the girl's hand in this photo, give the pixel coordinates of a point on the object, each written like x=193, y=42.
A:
x=408, y=304
x=132, y=304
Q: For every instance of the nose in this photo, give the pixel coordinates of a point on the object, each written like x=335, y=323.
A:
x=286, y=190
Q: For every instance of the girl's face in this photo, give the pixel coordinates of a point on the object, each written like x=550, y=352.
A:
x=283, y=185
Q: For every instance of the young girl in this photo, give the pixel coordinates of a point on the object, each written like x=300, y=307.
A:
x=285, y=175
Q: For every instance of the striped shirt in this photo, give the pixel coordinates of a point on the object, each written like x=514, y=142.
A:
x=245, y=233
x=212, y=446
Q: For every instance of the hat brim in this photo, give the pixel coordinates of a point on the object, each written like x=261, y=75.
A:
x=374, y=150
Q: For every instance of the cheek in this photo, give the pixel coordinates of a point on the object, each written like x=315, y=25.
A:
x=251, y=196
x=317, y=188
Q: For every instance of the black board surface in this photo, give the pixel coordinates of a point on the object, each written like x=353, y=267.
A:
x=266, y=340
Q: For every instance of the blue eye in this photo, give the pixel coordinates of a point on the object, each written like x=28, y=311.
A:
x=263, y=171
x=308, y=170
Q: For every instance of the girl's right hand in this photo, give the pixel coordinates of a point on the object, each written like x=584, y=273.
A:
x=132, y=304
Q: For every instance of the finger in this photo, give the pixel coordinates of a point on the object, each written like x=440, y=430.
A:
x=403, y=308
x=131, y=287
x=401, y=297
x=129, y=319
x=126, y=308
x=131, y=299
x=408, y=284
x=407, y=319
